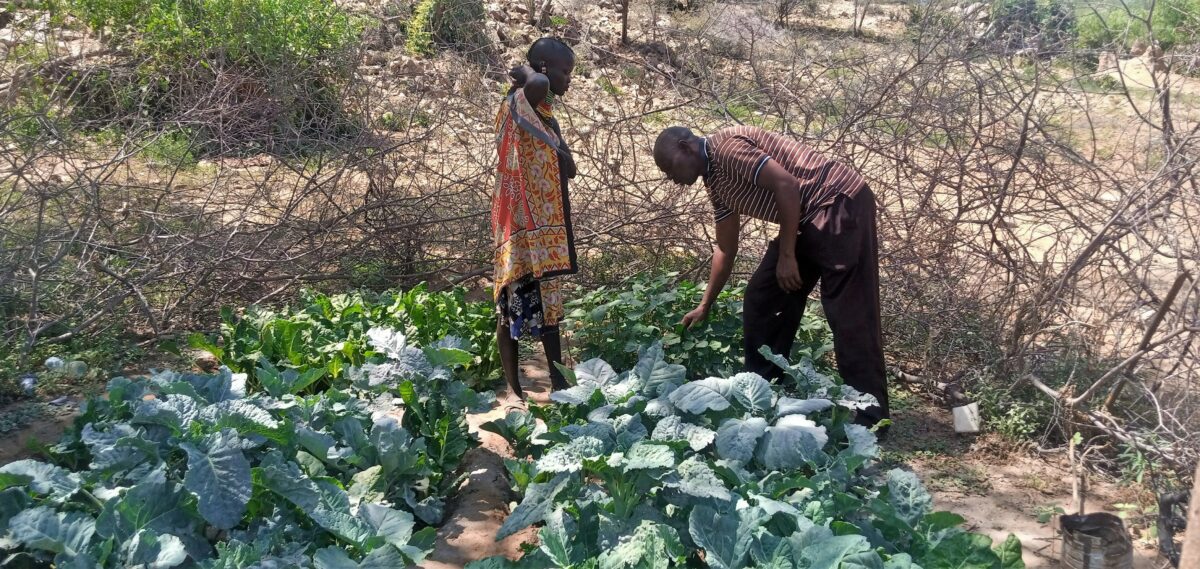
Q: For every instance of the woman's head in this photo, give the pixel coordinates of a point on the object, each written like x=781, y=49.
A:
x=554, y=59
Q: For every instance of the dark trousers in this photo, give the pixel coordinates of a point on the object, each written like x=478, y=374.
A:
x=838, y=248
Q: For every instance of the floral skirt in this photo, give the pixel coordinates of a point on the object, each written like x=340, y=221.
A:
x=530, y=306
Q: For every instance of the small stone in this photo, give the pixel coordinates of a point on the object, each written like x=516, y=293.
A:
x=1108, y=61
x=207, y=363
x=1139, y=47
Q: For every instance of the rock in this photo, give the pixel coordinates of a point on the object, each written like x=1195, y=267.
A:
x=405, y=65
x=1108, y=61
x=379, y=58
x=207, y=362
x=1138, y=48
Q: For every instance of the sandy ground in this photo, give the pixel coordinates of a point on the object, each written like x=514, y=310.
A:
x=1000, y=489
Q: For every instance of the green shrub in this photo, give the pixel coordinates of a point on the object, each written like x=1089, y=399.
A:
x=1173, y=23
x=1051, y=20
x=269, y=68
x=249, y=34
x=454, y=23
x=329, y=332
x=172, y=149
x=613, y=322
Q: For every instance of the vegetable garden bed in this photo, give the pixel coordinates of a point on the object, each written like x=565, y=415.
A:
x=338, y=443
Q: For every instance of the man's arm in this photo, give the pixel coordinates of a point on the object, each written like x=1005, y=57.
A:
x=787, y=202
x=724, y=254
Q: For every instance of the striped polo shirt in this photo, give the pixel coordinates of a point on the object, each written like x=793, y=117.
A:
x=737, y=154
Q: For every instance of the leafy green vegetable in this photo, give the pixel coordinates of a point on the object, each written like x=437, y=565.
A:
x=198, y=470
x=737, y=474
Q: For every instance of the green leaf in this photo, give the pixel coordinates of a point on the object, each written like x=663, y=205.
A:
x=575, y=395
x=654, y=371
x=776, y=554
x=789, y=406
x=651, y=546
x=793, y=441
x=724, y=536
x=285, y=479
x=12, y=501
x=595, y=371
x=698, y=397
x=171, y=410
x=674, y=428
x=244, y=417
x=367, y=486
x=737, y=439
x=218, y=475
x=698, y=479
x=647, y=455
x=938, y=521
x=1010, y=553
x=449, y=357
x=149, y=550
x=556, y=539
x=862, y=441
x=538, y=503
x=842, y=551
x=753, y=392
x=496, y=562
x=386, y=557
x=198, y=341
x=900, y=561
x=962, y=551
x=394, y=526
x=60, y=532
x=907, y=496
x=569, y=457
x=43, y=478
x=332, y=512
x=153, y=504
x=629, y=430
x=399, y=453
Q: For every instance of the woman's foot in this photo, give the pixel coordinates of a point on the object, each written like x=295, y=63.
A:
x=514, y=402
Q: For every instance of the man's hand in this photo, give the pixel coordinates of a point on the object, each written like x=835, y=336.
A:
x=694, y=317
x=787, y=272
x=520, y=75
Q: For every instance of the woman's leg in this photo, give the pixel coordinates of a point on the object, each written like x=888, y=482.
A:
x=552, y=343
x=508, y=358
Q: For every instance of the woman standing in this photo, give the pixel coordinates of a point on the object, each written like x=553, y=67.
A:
x=531, y=210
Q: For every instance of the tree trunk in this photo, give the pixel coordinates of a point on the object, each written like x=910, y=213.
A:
x=1191, y=540
x=624, y=21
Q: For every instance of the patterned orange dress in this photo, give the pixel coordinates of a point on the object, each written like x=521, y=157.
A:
x=531, y=217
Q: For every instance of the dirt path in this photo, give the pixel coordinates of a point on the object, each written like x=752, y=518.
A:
x=482, y=502
x=18, y=443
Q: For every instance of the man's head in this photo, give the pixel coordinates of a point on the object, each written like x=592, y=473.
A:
x=678, y=154
x=554, y=59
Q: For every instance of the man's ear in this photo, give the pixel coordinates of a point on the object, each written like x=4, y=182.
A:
x=685, y=145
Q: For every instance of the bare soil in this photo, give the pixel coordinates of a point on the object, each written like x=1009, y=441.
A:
x=1001, y=488
x=484, y=499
